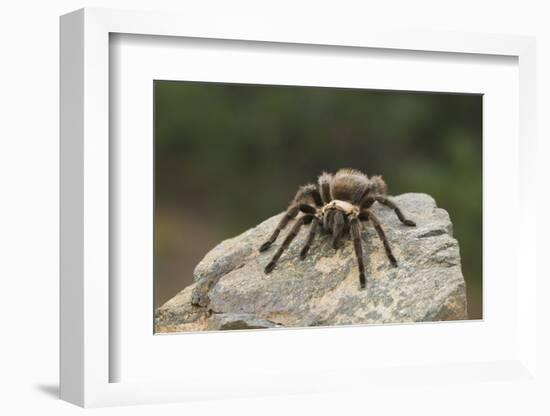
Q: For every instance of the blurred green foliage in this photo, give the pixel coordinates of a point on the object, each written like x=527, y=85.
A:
x=227, y=156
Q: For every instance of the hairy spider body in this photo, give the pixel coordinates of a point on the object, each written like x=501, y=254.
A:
x=337, y=205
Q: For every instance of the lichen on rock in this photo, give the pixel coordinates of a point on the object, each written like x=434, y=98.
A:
x=231, y=290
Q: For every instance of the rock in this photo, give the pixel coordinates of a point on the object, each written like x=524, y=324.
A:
x=238, y=321
x=233, y=292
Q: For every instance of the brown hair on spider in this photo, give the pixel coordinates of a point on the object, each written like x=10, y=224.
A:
x=338, y=204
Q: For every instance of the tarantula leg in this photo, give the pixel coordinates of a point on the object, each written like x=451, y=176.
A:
x=324, y=185
x=293, y=233
x=308, y=191
x=380, y=231
x=299, y=203
x=291, y=213
x=355, y=231
x=310, y=237
x=327, y=220
x=366, y=202
x=337, y=228
x=308, y=209
x=389, y=203
x=363, y=215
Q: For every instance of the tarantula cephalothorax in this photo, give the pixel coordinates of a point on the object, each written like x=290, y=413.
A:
x=338, y=205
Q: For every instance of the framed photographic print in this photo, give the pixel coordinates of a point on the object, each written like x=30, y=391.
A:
x=268, y=211
x=334, y=261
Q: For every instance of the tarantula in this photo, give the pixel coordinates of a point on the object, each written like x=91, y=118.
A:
x=338, y=205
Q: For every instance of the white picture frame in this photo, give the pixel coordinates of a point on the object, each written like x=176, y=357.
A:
x=86, y=163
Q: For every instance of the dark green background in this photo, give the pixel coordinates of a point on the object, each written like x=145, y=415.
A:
x=227, y=156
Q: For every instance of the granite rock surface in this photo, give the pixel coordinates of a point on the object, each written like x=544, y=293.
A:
x=231, y=290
